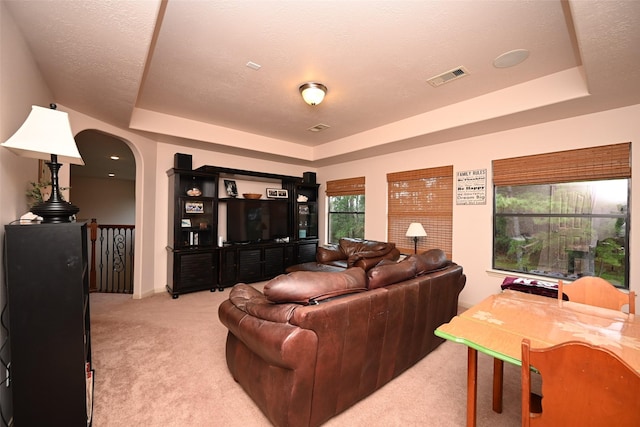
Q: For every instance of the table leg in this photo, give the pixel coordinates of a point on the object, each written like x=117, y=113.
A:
x=472, y=386
x=498, y=374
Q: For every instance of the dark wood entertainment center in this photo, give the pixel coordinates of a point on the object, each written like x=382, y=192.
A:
x=197, y=262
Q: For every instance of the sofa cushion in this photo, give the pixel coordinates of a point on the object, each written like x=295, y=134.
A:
x=327, y=254
x=430, y=260
x=350, y=247
x=388, y=272
x=309, y=287
x=340, y=263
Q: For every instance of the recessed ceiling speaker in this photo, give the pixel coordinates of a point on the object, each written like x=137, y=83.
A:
x=511, y=58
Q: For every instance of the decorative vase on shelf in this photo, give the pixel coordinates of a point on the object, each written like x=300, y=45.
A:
x=193, y=191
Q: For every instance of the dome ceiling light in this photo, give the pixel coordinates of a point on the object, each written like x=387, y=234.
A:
x=313, y=93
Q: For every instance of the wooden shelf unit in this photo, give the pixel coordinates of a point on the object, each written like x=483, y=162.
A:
x=198, y=263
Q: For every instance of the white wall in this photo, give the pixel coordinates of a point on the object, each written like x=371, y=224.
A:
x=472, y=225
x=21, y=85
x=144, y=152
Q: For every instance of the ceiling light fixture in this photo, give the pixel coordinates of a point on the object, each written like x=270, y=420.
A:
x=313, y=93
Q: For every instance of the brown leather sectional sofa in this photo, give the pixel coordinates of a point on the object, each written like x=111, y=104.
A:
x=312, y=344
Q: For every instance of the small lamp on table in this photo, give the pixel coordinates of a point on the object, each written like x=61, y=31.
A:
x=416, y=230
x=46, y=134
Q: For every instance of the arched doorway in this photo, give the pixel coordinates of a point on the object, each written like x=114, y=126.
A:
x=104, y=190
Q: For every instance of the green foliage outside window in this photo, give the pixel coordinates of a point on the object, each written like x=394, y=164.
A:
x=346, y=217
x=563, y=230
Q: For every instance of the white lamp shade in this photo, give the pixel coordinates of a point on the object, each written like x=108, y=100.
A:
x=45, y=132
x=416, y=230
x=313, y=93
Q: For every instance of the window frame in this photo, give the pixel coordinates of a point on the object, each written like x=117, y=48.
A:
x=345, y=188
x=587, y=165
x=358, y=213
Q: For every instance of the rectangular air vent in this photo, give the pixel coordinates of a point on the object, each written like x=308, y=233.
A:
x=448, y=76
x=318, y=128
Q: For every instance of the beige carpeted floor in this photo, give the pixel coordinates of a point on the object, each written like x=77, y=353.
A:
x=160, y=362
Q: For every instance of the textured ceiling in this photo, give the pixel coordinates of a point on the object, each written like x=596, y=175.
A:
x=176, y=70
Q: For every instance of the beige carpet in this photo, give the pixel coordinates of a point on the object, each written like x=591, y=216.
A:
x=160, y=362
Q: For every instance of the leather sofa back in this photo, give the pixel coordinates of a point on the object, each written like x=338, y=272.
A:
x=303, y=364
x=365, y=340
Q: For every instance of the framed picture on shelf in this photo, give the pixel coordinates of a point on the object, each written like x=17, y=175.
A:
x=277, y=193
x=230, y=186
x=186, y=222
x=194, y=207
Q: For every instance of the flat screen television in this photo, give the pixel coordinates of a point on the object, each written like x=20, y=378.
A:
x=256, y=220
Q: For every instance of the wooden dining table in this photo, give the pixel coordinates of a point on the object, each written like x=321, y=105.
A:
x=497, y=325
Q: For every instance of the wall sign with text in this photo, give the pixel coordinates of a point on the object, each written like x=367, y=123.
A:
x=471, y=187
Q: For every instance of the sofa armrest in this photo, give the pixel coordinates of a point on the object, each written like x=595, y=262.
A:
x=274, y=362
x=279, y=344
x=325, y=255
x=253, y=302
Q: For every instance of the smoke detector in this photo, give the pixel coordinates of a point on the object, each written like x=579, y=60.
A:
x=447, y=76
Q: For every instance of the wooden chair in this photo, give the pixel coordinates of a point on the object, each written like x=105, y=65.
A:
x=582, y=385
x=586, y=290
x=597, y=291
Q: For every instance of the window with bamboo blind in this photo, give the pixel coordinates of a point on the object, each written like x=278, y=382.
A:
x=346, y=187
x=564, y=214
x=346, y=208
x=424, y=196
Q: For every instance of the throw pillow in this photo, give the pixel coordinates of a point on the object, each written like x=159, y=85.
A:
x=310, y=287
x=388, y=273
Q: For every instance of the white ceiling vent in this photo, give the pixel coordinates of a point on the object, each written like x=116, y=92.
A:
x=448, y=76
x=318, y=128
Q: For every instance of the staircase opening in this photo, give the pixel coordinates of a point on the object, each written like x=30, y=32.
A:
x=104, y=190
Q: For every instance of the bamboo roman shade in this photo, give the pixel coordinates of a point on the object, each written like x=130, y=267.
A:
x=345, y=187
x=585, y=164
x=424, y=196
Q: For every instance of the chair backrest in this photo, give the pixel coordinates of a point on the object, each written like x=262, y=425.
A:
x=582, y=385
x=597, y=291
